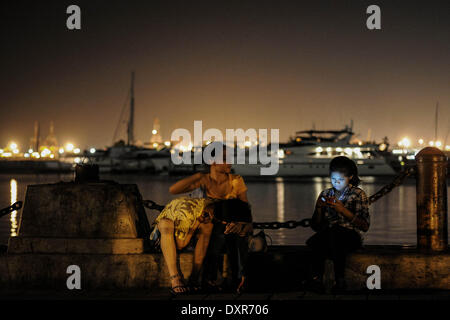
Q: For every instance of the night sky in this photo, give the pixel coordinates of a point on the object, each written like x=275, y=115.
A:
x=232, y=64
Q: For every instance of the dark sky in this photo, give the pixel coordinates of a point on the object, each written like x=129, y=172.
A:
x=247, y=64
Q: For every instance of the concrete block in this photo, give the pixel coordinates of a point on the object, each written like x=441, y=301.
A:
x=73, y=245
x=88, y=210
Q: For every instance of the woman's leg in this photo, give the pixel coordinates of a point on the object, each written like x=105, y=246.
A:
x=320, y=245
x=242, y=243
x=166, y=227
x=243, y=255
x=214, y=254
x=232, y=245
x=344, y=242
x=204, y=234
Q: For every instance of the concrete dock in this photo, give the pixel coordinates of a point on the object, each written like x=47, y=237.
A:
x=284, y=269
x=101, y=228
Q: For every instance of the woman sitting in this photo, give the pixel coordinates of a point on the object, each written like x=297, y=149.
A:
x=184, y=216
x=340, y=218
x=177, y=223
x=220, y=184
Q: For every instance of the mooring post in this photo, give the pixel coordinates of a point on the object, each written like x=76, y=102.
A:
x=431, y=188
x=86, y=173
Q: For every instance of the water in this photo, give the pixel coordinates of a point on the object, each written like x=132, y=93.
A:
x=393, y=218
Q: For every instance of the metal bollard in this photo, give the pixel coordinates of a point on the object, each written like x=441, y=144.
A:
x=431, y=188
x=86, y=173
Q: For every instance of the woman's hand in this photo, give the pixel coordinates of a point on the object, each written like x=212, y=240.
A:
x=246, y=229
x=336, y=204
x=206, y=217
x=240, y=228
x=232, y=227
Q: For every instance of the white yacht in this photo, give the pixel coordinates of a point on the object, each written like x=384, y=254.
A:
x=310, y=153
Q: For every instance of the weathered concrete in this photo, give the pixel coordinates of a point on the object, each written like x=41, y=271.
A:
x=284, y=269
x=111, y=271
x=101, y=227
x=400, y=268
x=103, y=217
x=75, y=245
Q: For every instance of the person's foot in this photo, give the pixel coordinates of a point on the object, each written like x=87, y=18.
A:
x=340, y=287
x=242, y=286
x=194, y=286
x=178, y=286
x=235, y=286
x=212, y=287
x=314, y=284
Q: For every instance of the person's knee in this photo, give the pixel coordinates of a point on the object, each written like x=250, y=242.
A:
x=180, y=245
x=165, y=226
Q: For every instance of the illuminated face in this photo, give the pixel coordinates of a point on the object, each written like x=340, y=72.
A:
x=339, y=181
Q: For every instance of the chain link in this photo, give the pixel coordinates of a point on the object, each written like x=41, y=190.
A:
x=152, y=205
x=398, y=180
x=278, y=225
x=305, y=223
x=16, y=206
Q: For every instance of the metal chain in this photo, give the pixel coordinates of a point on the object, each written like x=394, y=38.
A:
x=291, y=224
x=398, y=180
x=152, y=205
x=257, y=225
x=15, y=206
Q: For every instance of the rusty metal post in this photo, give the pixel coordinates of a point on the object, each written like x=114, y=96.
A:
x=431, y=188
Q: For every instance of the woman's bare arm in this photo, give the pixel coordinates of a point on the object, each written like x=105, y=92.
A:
x=186, y=184
x=361, y=224
x=243, y=196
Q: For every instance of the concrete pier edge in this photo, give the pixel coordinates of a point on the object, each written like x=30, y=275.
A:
x=284, y=268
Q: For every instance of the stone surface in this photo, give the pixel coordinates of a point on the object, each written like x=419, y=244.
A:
x=81, y=218
x=74, y=245
x=400, y=268
x=109, y=271
x=284, y=268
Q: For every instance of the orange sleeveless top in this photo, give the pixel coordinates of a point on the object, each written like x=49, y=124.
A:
x=230, y=190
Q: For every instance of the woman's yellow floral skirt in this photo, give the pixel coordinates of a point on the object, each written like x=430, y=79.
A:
x=183, y=212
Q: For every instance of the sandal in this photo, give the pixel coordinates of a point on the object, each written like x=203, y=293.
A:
x=213, y=287
x=242, y=286
x=193, y=285
x=194, y=288
x=173, y=290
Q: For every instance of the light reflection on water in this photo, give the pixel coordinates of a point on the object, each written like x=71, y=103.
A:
x=13, y=219
x=280, y=199
x=393, y=217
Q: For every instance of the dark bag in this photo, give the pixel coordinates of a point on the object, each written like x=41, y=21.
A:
x=258, y=242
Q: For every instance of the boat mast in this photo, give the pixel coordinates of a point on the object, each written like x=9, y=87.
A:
x=130, y=130
x=436, y=122
x=36, y=136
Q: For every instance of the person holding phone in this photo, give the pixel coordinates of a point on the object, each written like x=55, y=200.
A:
x=340, y=218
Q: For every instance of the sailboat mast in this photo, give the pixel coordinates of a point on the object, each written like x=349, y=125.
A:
x=131, y=119
x=36, y=136
x=436, y=122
